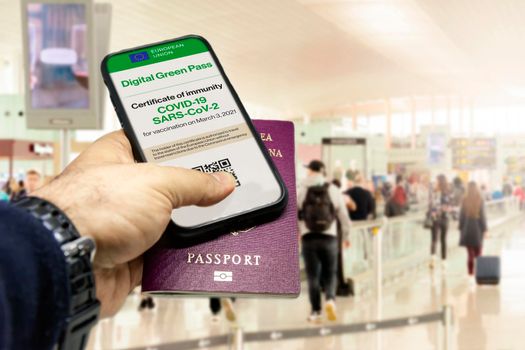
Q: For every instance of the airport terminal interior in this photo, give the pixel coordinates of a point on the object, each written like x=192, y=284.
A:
x=413, y=111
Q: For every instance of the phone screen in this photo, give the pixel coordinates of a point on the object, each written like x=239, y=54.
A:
x=183, y=114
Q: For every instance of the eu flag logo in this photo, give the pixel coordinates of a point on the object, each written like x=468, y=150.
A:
x=139, y=56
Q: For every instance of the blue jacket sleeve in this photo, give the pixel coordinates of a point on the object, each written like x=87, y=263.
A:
x=34, y=289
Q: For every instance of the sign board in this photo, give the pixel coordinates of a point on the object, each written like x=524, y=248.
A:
x=63, y=44
x=436, y=147
x=41, y=149
x=473, y=153
x=343, y=141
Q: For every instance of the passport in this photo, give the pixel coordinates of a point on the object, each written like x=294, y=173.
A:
x=257, y=261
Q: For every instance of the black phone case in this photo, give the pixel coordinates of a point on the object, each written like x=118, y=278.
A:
x=194, y=235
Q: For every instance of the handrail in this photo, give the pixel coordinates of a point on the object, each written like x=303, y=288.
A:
x=410, y=214
x=237, y=338
x=387, y=231
x=405, y=242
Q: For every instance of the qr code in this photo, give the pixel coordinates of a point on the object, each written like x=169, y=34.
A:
x=219, y=165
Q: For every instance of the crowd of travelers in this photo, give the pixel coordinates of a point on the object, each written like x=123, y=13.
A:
x=326, y=210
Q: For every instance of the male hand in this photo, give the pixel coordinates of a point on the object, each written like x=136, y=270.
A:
x=125, y=207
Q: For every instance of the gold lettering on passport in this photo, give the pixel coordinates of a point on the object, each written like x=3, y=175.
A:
x=274, y=152
x=223, y=259
x=266, y=137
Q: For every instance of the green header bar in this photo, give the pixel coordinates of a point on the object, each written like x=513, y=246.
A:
x=155, y=54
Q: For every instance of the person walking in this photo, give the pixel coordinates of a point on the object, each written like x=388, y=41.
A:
x=507, y=187
x=4, y=192
x=439, y=208
x=519, y=193
x=361, y=203
x=146, y=302
x=33, y=181
x=472, y=224
x=217, y=304
x=17, y=190
x=321, y=205
x=458, y=192
x=27, y=187
x=397, y=204
x=456, y=197
x=343, y=287
x=485, y=192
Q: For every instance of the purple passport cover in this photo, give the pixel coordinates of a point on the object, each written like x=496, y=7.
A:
x=166, y=269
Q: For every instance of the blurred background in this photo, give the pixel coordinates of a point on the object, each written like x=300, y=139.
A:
x=380, y=88
x=397, y=72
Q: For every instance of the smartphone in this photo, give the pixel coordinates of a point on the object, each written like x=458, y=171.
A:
x=178, y=108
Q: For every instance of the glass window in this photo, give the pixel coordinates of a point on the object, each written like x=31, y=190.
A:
x=377, y=124
x=423, y=119
x=401, y=124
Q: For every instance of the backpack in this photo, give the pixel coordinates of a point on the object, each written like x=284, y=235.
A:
x=318, y=209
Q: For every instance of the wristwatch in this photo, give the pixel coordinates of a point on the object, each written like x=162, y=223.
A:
x=78, y=251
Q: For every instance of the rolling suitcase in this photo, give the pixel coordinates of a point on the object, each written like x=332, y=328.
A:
x=488, y=269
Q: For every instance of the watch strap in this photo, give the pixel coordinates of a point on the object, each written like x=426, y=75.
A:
x=83, y=307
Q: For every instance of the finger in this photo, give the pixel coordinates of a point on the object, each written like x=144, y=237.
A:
x=189, y=187
x=135, y=272
x=110, y=148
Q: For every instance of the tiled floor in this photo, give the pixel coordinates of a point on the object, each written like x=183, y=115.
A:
x=491, y=318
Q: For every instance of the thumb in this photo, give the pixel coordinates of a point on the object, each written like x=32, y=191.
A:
x=189, y=187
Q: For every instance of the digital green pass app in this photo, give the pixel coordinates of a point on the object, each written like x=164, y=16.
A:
x=184, y=115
